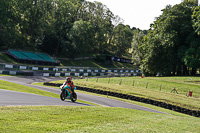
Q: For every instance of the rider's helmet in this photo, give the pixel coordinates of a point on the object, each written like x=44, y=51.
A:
x=68, y=79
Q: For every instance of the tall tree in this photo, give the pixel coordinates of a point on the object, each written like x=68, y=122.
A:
x=123, y=39
x=137, y=42
x=168, y=41
x=82, y=35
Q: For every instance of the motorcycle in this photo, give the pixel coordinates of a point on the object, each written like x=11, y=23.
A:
x=65, y=93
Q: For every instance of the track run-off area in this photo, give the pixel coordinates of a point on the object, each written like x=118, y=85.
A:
x=13, y=98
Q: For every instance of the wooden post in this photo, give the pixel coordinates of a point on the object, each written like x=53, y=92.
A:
x=109, y=80
x=147, y=85
x=120, y=82
x=133, y=82
x=97, y=80
x=160, y=87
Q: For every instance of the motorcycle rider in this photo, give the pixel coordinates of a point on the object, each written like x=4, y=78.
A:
x=70, y=83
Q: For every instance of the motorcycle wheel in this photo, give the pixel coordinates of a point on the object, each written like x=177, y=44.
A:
x=74, y=97
x=62, y=96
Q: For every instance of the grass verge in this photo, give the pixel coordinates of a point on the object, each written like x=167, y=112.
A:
x=20, y=88
x=91, y=119
x=129, y=101
x=5, y=59
x=152, y=92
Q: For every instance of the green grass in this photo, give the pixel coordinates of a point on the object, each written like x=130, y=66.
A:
x=4, y=75
x=125, y=100
x=5, y=59
x=20, y=88
x=91, y=119
x=166, y=84
x=153, y=89
x=92, y=63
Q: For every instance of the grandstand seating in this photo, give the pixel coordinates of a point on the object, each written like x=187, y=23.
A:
x=32, y=57
x=18, y=54
x=46, y=57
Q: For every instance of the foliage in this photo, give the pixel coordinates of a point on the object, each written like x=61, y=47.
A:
x=71, y=28
x=171, y=46
x=61, y=27
x=123, y=38
x=137, y=51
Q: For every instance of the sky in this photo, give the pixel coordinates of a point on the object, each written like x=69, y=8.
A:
x=138, y=13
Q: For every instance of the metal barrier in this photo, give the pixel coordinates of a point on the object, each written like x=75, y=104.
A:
x=73, y=71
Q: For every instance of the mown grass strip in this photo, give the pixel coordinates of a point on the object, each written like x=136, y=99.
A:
x=125, y=100
x=91, y=119
x=165, y=84
x=181, y=100
x=20, y=88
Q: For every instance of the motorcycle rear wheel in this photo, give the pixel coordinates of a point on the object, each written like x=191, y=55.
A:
x=74, y=98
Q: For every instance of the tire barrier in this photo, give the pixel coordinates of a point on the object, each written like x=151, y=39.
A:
x=136, y=98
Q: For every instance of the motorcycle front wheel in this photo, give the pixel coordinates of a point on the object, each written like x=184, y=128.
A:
x=62, y=96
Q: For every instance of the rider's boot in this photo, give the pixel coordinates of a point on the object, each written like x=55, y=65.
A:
x=72, y=93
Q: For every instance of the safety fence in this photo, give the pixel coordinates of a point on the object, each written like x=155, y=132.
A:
x=150, y=83
x=68, y=71
x=7, y=72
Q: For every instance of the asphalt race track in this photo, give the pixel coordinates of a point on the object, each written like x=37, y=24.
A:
x=13, y=98
x=8, y=98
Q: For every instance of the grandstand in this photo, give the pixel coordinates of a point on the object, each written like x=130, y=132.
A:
x=32, y=57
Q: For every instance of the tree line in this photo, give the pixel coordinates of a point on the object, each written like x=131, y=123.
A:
x=172, y=45
x=63, y=27
x=67, y=28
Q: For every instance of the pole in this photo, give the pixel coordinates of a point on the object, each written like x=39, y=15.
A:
x=147, y=85
x=109, y=80
x=120, y=82
x=133, y=82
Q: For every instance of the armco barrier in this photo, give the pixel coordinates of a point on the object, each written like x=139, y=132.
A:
x=92, y=71
x=16, y=73
x=135, y=98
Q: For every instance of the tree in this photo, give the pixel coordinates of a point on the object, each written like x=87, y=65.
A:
x=191, y=1
x=168, y=40
x=137, y=52
x=54, y=26
x=82, y=34
x=122, y=40
x=100, y=17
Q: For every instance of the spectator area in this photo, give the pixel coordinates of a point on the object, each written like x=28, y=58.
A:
x=32, y=57
x=18, y=54
x=46, y=57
